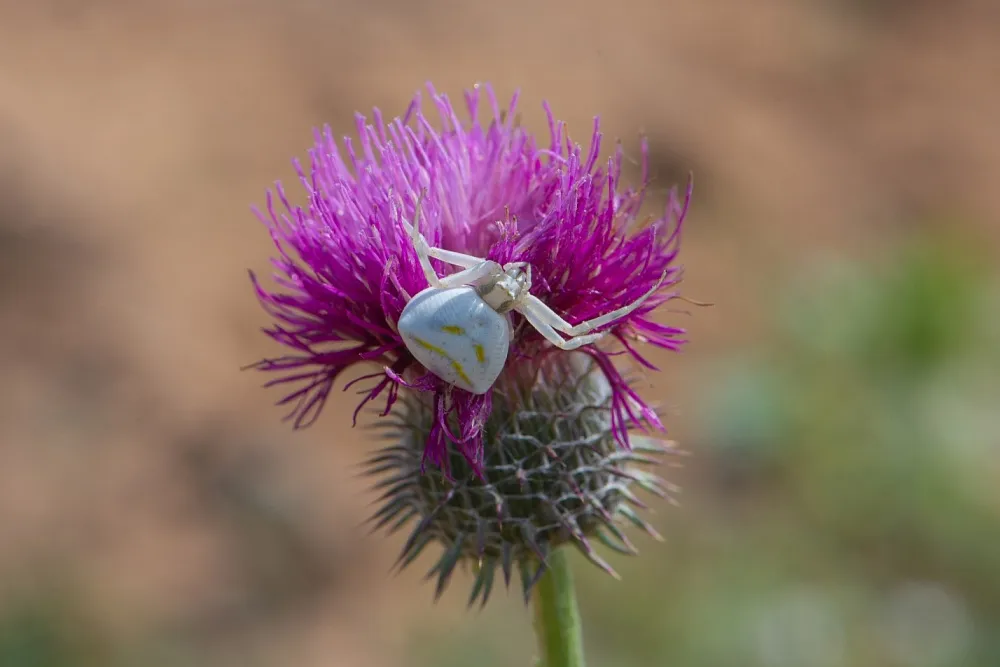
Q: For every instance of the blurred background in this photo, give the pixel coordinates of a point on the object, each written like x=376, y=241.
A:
x=840, y=401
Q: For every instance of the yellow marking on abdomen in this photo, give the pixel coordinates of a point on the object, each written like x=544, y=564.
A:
x=452, y=329
x=461, y=372
x=433, y=348
x=437, y=350
x=480, y=353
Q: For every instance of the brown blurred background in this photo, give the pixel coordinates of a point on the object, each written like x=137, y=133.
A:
x=839, y=399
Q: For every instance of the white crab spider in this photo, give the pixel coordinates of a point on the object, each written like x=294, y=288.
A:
x=459, y=328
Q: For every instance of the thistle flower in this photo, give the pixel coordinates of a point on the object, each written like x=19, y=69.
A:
x=347, y=267
x=545, y=457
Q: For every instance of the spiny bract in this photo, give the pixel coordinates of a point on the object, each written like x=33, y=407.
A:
x=553, y=474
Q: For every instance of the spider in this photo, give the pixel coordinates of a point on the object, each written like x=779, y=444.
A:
x=459, y=328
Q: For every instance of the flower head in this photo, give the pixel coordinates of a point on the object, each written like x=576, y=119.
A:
x=347, y=267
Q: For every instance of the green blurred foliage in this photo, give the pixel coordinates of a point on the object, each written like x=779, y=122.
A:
x=849, y=516
x=44, y=629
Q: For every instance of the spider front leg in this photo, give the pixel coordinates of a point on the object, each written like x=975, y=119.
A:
x=484, y=268
x=476, y=268
x=554, y=320
x=538, y=318
x=422, y=248
x=456, y=258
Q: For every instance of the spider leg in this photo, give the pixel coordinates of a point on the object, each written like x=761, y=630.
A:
x=475, y=268
x=557, y=322
x=483, y=268
x=456, y=258
x=538, y=321
x=423, y=250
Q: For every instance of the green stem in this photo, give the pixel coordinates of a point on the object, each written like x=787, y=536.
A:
x=557, y=618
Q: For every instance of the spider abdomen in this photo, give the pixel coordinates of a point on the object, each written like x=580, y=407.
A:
x=457, y=336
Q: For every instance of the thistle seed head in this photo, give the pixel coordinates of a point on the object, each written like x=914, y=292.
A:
x=553, y=473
